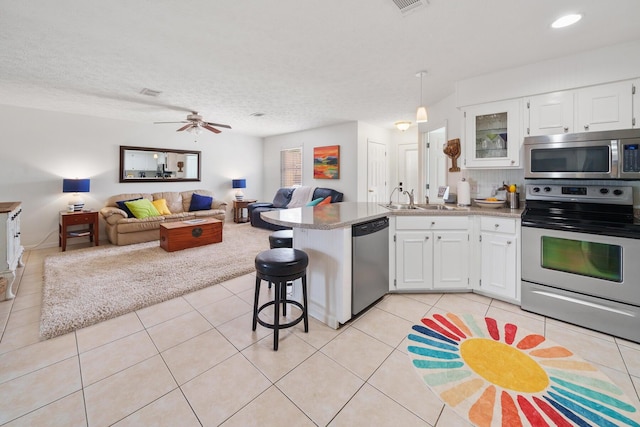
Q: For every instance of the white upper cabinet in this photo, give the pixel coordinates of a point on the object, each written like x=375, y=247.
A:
x=605, y=107
x=596, y=108
x=550, y=114
x=492, y=135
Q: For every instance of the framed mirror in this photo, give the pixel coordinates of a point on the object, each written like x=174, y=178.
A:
x=144, y=164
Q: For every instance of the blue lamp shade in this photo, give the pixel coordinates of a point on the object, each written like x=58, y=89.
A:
x=239, y=183
x=75, y=185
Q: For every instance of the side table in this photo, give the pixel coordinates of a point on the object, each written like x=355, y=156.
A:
x=238, y=210
x=70, y=219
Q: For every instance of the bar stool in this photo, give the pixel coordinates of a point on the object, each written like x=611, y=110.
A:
x=281, y=239
x=279, y=266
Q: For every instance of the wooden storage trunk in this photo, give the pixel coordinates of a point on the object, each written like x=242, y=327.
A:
x=175, y=236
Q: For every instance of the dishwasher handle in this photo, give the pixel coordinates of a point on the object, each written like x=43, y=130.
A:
x=370, y=227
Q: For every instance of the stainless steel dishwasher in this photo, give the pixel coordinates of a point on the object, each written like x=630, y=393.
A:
x=370, y=263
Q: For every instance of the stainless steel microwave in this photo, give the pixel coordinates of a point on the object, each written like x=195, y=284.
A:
x=588, y=155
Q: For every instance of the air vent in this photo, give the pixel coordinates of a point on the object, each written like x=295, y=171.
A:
x=150, y=92
x=409, y=6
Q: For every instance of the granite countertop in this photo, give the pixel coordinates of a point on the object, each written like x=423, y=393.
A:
x=346, y=214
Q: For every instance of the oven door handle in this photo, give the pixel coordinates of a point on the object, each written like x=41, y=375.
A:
x=615, y=157
x=586, y=303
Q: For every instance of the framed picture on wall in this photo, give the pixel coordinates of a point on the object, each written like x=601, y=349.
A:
x=326, y=162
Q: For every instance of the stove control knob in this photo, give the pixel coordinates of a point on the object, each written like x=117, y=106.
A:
x=604, y=190
x=547, y=189
x=536, y=189
x=617, y=192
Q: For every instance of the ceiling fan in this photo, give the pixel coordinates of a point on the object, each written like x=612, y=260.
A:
x=194, y=123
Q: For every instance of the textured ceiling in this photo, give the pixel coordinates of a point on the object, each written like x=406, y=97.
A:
x=303, y=63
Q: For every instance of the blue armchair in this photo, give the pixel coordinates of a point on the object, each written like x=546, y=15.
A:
x=280, y=201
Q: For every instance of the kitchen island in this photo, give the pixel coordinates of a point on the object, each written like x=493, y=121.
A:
x=324, y=233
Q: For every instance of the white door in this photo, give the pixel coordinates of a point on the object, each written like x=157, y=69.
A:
x=376, y=172
x=435, y=161
x=414, y=254
x=498, y=270
x=408, y=168
x=450, y=260
x=191, y=168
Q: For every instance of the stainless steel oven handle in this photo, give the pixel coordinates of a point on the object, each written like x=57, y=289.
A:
x=582, y=302
x=615, y=156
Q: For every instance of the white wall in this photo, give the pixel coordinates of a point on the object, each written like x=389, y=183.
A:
x=343, y=135
x=613, y=63
x=40, y=148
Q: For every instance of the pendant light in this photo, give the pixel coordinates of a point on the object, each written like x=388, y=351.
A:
x=421, y=114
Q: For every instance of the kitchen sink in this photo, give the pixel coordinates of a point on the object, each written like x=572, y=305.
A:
x=422, y=207
x=400, y=206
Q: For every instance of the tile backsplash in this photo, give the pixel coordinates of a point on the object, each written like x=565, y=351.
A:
x=484, y=181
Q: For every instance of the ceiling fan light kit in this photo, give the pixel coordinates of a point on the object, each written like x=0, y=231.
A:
x=195, y=124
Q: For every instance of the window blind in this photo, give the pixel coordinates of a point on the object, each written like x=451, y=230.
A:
x=291, y=167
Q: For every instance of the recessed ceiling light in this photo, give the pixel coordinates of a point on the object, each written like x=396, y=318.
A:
x=565, y=21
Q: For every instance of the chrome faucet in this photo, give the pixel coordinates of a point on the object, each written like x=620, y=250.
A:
x=410, y=194
x=391, y=195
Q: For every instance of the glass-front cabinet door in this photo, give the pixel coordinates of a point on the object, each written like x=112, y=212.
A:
x=493, y=135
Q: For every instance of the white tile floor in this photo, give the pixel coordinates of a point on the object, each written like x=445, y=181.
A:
x=194, y=361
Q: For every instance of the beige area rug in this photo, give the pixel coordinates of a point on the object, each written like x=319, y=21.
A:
x=86, y=286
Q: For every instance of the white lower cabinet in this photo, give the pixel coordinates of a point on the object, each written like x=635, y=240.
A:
x=429, y=252
x=500, y=258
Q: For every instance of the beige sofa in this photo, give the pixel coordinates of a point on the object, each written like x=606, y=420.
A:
x=123, y=230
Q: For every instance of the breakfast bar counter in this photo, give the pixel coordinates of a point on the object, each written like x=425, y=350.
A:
x=324, y=233
x=346, y=214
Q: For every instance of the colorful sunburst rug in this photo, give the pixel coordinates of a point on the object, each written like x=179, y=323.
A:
x=498, y=374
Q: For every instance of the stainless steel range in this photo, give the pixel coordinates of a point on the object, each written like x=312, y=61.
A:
x=581, y=256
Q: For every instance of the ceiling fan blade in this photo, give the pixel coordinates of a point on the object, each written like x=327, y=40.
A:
x=159, y=123
x=218, y=125
x=212, y=129
x=185, y=127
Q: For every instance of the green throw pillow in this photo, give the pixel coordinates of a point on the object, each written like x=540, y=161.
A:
x=142, y=208
x=315, y=202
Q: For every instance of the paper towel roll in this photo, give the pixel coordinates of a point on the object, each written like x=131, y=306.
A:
x=464, y=193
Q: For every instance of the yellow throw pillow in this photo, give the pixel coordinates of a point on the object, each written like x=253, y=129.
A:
x=142, y=208
x=161, y=206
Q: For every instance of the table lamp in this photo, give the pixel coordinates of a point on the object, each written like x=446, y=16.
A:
x=76, y=186
x=239, y=184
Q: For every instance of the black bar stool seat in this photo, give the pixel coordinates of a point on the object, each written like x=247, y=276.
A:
x=279, y=266
x=281, y=239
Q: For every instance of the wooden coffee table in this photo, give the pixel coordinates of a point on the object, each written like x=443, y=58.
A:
x=178, y=235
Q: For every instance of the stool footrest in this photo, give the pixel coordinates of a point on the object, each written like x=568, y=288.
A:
x=281, y=325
